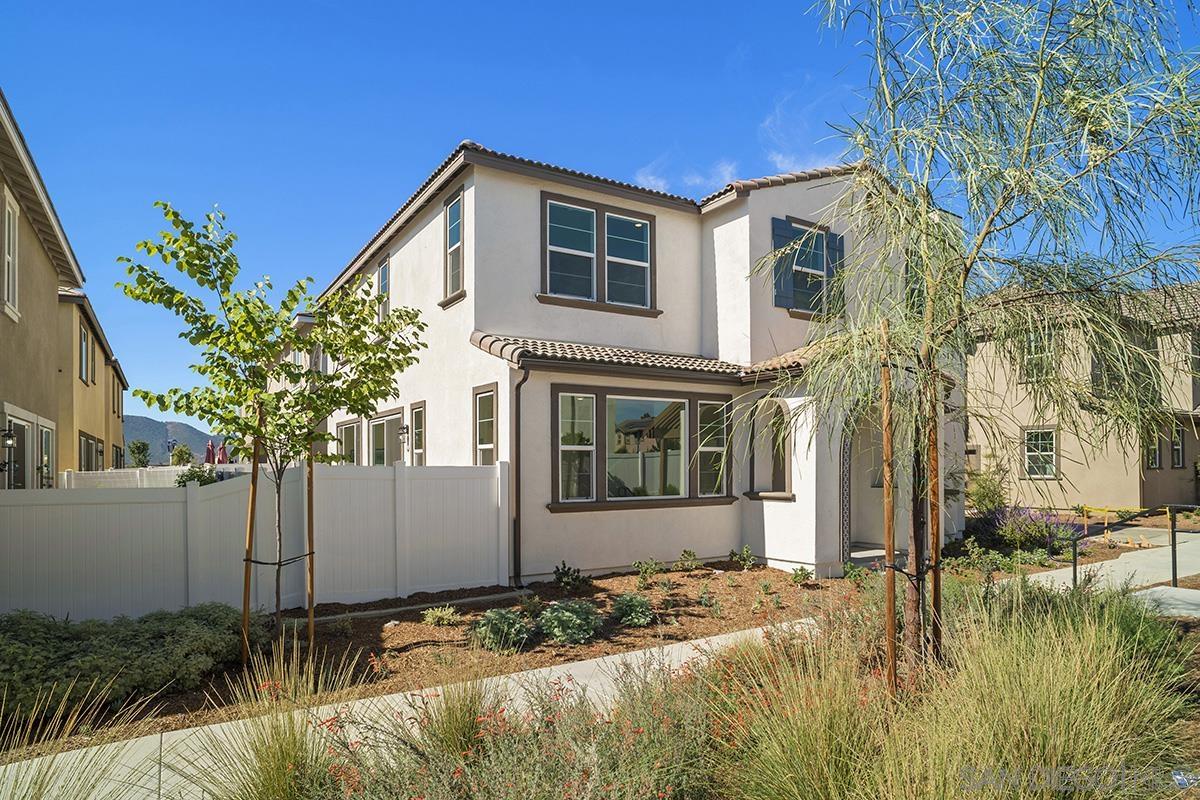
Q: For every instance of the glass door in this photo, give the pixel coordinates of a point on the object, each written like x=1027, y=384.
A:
x=46, y=458
x=18, y=464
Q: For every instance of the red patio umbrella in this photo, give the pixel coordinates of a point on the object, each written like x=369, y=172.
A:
x=222, y=456
x=210, y=453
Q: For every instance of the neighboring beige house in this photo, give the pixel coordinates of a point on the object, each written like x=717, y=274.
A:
x=91, y=392
x=1046, y=465
x=599, y=336
x=36, y=353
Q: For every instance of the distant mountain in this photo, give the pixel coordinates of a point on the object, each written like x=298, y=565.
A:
x=156, y=432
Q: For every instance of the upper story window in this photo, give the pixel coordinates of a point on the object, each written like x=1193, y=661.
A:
x=417, y=433
x=84, y=350
x=1037, y=355
x=9, y=263
x=597, y=257
x=1153, y=455
x=805, y=269
x=627, y=242
x=1177, y=455
x=383, y=287
x=454, y=246
x=571, y=251
x=92, y=367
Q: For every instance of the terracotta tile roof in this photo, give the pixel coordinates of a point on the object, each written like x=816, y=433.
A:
x=516, y=349
x=748, y=185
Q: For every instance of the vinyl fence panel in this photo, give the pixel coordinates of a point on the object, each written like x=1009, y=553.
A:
x=380, y=532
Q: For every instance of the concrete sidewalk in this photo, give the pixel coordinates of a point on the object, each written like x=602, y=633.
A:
x=1139, y=568
x=1172, y=602
x=145, y=762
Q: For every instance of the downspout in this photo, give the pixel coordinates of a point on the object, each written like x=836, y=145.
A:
x=516, y=477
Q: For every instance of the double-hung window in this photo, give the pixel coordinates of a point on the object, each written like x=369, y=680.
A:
x=1037, y=355
x=1153, y=455
x=9, y=263
x=383, y=288
x=1041, y=453
x=1177, y=456
x=93, y=357
x=485, y=426
x=711, y=449
x=347, y=436
x=576, y=446
x=454, y=245
x=808, y=257
x=418, y=434
x=84, y=350
x=627, y=260
x=571, y=251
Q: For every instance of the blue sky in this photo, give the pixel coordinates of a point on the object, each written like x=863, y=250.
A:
x=310, y=122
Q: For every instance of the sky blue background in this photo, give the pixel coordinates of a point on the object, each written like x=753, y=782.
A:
x=309, y=123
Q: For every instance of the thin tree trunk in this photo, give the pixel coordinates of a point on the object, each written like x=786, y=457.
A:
x=914, y=591
x=889, y=507
x=247, y=565
x=933, y=487
x=311, y=576
x=278, y=554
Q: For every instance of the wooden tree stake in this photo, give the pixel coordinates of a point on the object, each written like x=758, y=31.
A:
x=311, y=551
x=248, y=564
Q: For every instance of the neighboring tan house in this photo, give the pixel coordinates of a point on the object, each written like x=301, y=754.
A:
x=91, y=392
x=600, y=337
x=37, y=353
x=1045, y=464
x=35, y=260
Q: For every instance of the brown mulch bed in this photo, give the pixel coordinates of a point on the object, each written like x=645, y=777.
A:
x=411, y=655
x=416, y=599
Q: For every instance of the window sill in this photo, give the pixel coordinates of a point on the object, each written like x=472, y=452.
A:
x=452, y=299
x=772, y=497
x=12, y=313
x=624, y=505
x=796, y=313
x=1040, y=478
x=592, y=305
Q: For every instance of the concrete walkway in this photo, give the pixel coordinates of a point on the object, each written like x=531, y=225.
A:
x=145, y=763
x=1172, y=602
x=1139, y=568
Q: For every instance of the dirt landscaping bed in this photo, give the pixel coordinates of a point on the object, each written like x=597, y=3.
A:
x=400, y=652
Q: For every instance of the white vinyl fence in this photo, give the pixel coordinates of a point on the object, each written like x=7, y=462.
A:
x=380, y=532
x=138, y=477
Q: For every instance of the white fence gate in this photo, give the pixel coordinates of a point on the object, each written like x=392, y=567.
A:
x=380, y=532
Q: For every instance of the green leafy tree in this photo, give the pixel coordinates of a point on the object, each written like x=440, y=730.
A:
x=1014, y=159
x=254, y=390
x=139, y=453
x=181, y=455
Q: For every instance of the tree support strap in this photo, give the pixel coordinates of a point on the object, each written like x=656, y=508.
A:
x=283, y=563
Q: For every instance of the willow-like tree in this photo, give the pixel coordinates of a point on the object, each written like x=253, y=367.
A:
x=1021, y=164
x=253, y=389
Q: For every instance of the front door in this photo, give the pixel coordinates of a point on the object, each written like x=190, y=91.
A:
x=18, y=466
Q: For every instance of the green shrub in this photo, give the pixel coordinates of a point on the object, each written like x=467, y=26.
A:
x=743, y=558
x=706, y=599
x=646, y=571
x=203, y=474
x=633, y=610
x=570, y=621
x=570, y=579
x=687, y=561
x=801, y=576
x=502, y=630
x=342, y=627
x=172, y=650
x=531, y=605
x=441, y=616
x=855, y=574
x=987, y=492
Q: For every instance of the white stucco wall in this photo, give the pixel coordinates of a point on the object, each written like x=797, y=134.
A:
x=508, y=231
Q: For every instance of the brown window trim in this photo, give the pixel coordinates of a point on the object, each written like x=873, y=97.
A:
x=795, y=313
x=600, y=469
x=494, y=388
x=600, y=302
x=1057, y=476
x=592, y=305
x=450, y=298
x=776, y=497
x=381, y=416
x=413, y=408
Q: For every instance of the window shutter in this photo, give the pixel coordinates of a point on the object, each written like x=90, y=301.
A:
x=835, y=254
x=782, y=234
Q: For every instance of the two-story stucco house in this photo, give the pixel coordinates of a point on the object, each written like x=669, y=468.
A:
x=600, y=336
x=1047, y=464
x=40, y=299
